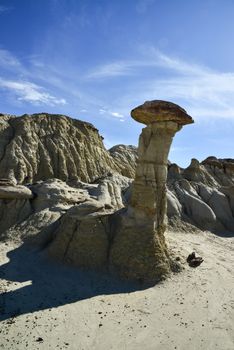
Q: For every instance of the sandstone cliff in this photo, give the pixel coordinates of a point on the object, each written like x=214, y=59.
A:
x=126, y=158
x=43, y=146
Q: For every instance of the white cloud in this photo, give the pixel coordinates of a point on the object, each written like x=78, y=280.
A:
x=30, y=92
x=109, y=70
x=8, y=60
x=117, y=115
x=102, y=111
x=205, y=92
x=154, y=59
x=107, y=112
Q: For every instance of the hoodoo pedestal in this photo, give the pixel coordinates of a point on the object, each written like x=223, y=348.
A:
x=139, y=250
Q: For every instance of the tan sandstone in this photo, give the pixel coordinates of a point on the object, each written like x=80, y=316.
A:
x=139, y=250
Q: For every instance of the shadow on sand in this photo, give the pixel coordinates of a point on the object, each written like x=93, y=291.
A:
x=51, y=285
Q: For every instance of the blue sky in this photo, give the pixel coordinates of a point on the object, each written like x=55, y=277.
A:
x=97, y=59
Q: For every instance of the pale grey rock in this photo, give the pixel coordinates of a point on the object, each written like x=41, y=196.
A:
x=111, y=189
x=15, y=192
x=206, y=202
x=222, y=170
x=221, y=207
x=174, y=207
x=54, y=192
x=196, y=172
x=229, y=193
x=198, y=211
x=205, y=192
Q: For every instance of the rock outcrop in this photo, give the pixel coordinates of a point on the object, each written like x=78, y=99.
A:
x=85, y=234
x=62, y=191
x=126, y=158
x=202, y=194
x=139, y=251
x=43, y=146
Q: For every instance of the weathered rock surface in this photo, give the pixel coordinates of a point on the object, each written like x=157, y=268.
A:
x=202, y=194
x=158, y=110
x=109, y=222
x=15, y=192
x=139, y=251
x=126, y=158
x=43, y=146
x=57, y=214
x=84, y=236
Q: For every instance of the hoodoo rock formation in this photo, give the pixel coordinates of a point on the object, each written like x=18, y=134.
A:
x=61, y=190
x=139, y=250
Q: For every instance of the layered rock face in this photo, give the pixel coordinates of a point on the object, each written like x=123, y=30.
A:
x=139, y=251
x=43, y=146
x=126, y=158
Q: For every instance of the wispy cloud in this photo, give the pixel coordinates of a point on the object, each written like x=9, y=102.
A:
x=111, y=70
x=154, y=59
x=7, y=60
x=5, y=9
x=30, y=92
x=205, y=92
x=117, y=115
x=16, y=80
x=107, y=112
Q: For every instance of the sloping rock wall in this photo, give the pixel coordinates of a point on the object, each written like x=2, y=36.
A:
x=43, y=146
x=126, y=158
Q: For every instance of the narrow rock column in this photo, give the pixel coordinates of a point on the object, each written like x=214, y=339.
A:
x=149, y=188
x=139, y=250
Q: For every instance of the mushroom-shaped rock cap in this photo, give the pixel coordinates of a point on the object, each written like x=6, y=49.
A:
x=160, y=111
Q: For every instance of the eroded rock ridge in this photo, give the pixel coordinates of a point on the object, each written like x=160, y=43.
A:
x=43, y=146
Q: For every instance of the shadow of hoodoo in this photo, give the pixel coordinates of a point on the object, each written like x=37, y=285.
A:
x=51, y=285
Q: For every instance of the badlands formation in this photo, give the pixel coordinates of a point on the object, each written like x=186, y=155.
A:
x=66, y=200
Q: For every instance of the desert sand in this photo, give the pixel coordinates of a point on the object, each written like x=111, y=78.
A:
x=50, y=306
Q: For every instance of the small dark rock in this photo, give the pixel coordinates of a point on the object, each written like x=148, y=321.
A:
x=39, y=339
x=194, y=261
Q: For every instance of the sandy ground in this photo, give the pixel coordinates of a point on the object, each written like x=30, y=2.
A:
x=45, y=306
